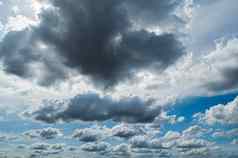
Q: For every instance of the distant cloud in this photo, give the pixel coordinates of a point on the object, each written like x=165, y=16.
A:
x=89, y=134
x=121, y=150
x=233, y=133
x=146, y=142
x=46, y=149
x=45, y=133
x=194, y=131
x=192, y=143
x=126, y=131
x=95, y=147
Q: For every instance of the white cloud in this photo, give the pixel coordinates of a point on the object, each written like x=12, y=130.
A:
x=145, y=141
x=223, y=114
x=171, y=135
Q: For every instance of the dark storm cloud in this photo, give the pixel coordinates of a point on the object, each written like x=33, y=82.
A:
x=91, y=107
x=95, y=38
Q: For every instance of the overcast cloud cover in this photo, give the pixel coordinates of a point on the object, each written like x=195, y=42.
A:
x=126, y=78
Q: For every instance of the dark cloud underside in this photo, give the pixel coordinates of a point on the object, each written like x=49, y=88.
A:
x=95, y=38
x=92, y=107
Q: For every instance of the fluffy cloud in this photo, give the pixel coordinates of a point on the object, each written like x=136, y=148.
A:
x=171, y=135
x=224, y=61
x=95, y=147
x=146, y=142
x=223, y=114
x=88, y=134
x=165, y=118
x=45, y=133
x=81, y=36
x=194, y=131
x=92, y=107
x=126, y=131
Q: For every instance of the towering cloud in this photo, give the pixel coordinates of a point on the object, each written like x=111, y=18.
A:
x=95, y=38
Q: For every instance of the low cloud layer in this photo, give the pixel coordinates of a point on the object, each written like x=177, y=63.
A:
x=92, y=107
x=94, y=38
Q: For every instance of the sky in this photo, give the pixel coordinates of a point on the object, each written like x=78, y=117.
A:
x=126, y=78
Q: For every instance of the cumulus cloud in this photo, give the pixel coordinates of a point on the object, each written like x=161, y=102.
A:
x=126, y=131
x=193, y=135
x=96, y=39
x=194, y=131
x=181, y=80
x=92, y=107
x=222, y=114
x=95, y=147
x=224, y=60
x=144, y=141
x=45, y=133
x=165, y=118
x=171, y=135
x=88, y=134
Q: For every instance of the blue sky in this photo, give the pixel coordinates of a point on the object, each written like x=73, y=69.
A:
x=88, y=78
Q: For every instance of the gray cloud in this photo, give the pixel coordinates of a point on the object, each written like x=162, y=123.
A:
x=88, y=134
x=95, y=147
x=121, y=150
x=146, y=142
x=91, y=107
x=126, y=131
x=45, y=149
x=230, y=80
x=192, y=143
x=95, y=38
